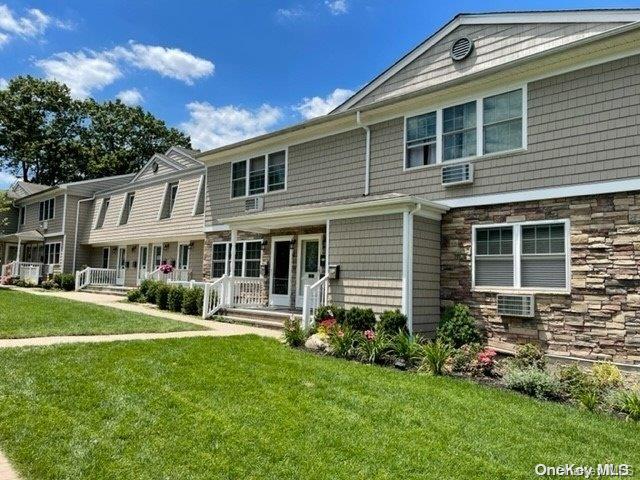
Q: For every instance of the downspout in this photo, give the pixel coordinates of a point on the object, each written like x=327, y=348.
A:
x=407, y=265
x=75, y=241
x=367, y=152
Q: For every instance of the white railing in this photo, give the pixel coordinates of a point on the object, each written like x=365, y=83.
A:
x=9, y=269
x=229, y=292
x=96, y=276
x=30, y=272
x=214, y=296
x=176, y=275
x=187, y=283
x=315, y=296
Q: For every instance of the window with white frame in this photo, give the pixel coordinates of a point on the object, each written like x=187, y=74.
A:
x=169, y=202
x=126, y=208
x=486, y=125
x=103, y=212
x=22, y=215
x=522, y=255
x=258, y=175
x=183, y=256
x=246, y=262
x=47, y=208
x=199, y=206
x=52, y=253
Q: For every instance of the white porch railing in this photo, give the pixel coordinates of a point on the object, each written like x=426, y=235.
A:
x=229, y=292
x=188, y=284
x=214, y=296
x=8, y=269
x=28, y=271
x=177, y=275
x=96, y=276
x=315, y=296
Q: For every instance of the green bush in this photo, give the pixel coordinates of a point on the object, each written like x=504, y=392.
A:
x=49, y=285
x=407, y=347
x=534, y=382
x=342, y=341
x=530, y=355
x=435, y=356
x=607, y=375
x=174, y=302
x=23, y=284
x=589, y=400
x=65, y=281
x=134, y=295
x=330, y=311
x=464, y=358
x=294, y=335
x=162, y=296
x=373, y=347
x=152, y=290
x=391, y=322
x=192, y=300
x=360, y=319
x=200, y=301
x=575, y=381
x=457, y=327
x=628, y=403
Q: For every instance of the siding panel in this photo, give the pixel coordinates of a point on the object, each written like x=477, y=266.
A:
x=426, y=275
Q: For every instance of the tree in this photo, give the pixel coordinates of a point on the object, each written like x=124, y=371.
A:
x=5, y=209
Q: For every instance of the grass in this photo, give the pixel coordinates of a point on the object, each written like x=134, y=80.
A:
x=247, y=407
x=25, y=315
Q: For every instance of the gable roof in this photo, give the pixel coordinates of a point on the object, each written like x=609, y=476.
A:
x=159, y=158
x=622, y=16
x=21, y=189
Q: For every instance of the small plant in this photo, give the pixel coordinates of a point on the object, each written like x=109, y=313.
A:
x=65, y=281
x=463, y=358
x=162, y=296
x=24, y=284
x=534, y=382
x=326, y=312
x=49, y=285
x=530, y=355
x=326, y=326
x=166, y=268
x=391, y=322
x=151, y=290
x=575, y=381
x=174, y=300
x=628, y=402
x=134, y=295
x=192, y=299
x=457, y=327
x=607, y=375
x=435, y=357
x=342, y=341
x=146, y=286
x=360, y=319
x=373, y=346
x=485, y=361
x=589, y=400
x=294, y=335
x=407, y=348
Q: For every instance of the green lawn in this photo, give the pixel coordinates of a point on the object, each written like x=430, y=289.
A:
x=24, y=314
x=250, y=408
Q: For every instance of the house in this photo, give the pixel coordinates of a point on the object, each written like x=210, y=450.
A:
x=497, y=164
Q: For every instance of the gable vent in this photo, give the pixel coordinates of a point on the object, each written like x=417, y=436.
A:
x=516, y=305
x=461, y=49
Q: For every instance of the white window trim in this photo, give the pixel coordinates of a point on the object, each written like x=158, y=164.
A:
x=266, y=175
x=166, y=198
x=438, y=108
x=53, y=215
x=95, y=226
x=229, y=263
x=108, y=249
x=198, y=192
x=153, y=254
x=517, y=253
x=179, y=258
x=48, y=247
x=124, y=205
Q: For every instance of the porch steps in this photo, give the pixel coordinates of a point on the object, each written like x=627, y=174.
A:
x=257, y=318
x=107, y=290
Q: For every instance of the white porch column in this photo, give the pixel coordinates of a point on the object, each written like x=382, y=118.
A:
x=232, y=255
x=326, y=260
x=407, y=268
x=18, y=251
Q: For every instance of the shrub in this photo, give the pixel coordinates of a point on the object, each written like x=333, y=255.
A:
x=435, y=357
x=162, y=296
x=174, y=300
x=628, y=402
x=606, y=375
x=24, y=284
x=373, y=346
x=530, y=355
x=330, y=311
x=360, y=319
x=146, y=286
x=463, y=359
x=484, y=361
x=294, y=335
x=575, y=381
x=200, y=300
x=192, y=299
x=134, y=295
x=326, y=326
x=589, y=400
x=457, y=327
x=152, y=290
x=534, y=382
x=407, y=347
x=342, y=341
x=49, y=285
x=391, y=322
x=66, y=281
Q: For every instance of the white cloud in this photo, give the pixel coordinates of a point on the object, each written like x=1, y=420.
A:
x=210, y=126
x=290, y=13
x=130, y=97
x=83, y=72
x=337, y=7
x=168, y=62
x=4, y=38
x=33, y=24
x=4, y=83
x=312, y=107
x=6, y=180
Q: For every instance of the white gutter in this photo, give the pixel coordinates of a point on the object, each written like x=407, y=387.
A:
x=407, y=264
x=75, y=241
x=367, y=152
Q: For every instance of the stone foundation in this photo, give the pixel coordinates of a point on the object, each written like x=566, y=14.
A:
x=600, y=318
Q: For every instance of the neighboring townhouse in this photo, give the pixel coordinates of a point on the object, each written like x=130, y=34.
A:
x=497, y=165
x=155, y=218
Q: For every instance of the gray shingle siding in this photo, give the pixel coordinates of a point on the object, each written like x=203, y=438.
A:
x=426, y=275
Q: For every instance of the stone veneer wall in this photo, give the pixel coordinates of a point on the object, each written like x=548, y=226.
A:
x=600, y=319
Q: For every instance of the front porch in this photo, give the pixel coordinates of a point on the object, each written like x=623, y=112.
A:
x=31, y=257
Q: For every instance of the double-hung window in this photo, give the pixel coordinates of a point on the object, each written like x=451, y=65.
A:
x=47, y=208
x=52, y=253
x=198, y=208
x=530, y=255
x=502, y=116
x=126, y=208
x=258, y=175
x=245, y=264
x=421, y=140
x=169, y=202
x=103, y=212
x=459, y=131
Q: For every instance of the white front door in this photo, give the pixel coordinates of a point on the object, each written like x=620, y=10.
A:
x=121, y=265
x=280, y=284
x=142, y=262
x=308, y=264
x=157, y=256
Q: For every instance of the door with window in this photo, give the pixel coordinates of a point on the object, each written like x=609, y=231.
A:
x=183, y=261
x=280, y=271
x=105, y=257
x=308, y=264
x=143, y=257
x=157, y=256
x=121, y=265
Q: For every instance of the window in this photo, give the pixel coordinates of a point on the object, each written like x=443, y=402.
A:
x=157, y=256
x=199, y=206
x=246, y=262
x=421, y=140
x=486, y=125
x=126, y=208
x=169, y=202
x=21, y=215
x=522, y=255
x=258, y=175
x=52, y=253
x=105, y=257
x=103, y=213
x=46, y=209
x=502, y=117
x=183, y=256
x=459, y=131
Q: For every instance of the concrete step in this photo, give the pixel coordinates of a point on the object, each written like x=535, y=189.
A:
x=257, y=317
x=108, y=290
x=252, y=322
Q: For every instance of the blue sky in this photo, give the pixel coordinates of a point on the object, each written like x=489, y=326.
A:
x=224, y=70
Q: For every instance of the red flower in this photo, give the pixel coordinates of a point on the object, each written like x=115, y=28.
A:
x=370, y=335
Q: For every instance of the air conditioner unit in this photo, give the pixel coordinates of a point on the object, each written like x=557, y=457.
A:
x=516, y=305
x=44, y=225
x=255, y=204
x=458, y=174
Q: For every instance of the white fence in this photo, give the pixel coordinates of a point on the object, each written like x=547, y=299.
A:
x=96, y=276
x=27, y=271
x=315, y=296
x=176, y=275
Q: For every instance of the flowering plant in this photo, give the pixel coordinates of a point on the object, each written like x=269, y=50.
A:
x=166, y=268
x=485, y=360
x=327, y=325
x=369, y=335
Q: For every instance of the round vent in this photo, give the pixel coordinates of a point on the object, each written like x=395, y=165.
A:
x=461, y=49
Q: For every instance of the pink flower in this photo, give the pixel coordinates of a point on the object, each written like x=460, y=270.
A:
x=370, y=335
x=340, y=333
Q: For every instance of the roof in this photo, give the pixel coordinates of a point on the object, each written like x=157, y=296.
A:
x=21, y=189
